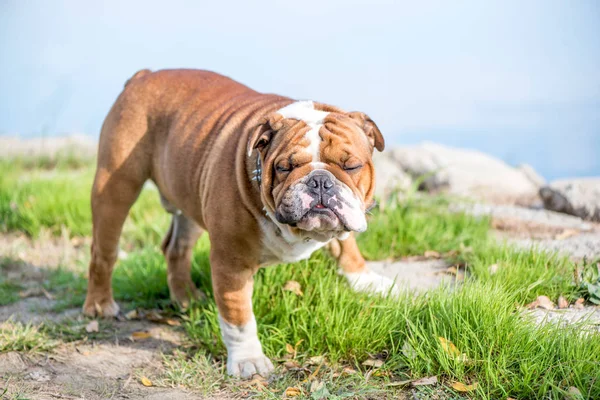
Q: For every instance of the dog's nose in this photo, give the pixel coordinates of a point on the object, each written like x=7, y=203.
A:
x=320, y=182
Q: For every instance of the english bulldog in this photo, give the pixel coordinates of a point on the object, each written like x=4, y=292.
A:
x=269, y=178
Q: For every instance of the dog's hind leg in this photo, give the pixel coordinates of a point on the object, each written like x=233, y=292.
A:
x=123, y=166
x=178, y=246
x=113, y=194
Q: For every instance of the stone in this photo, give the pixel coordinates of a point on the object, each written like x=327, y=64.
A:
x=579, y=197
x=468, y=173
x=389, y=176
x=532, y=175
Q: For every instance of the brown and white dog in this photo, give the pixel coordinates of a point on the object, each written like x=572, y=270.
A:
x=271, y=179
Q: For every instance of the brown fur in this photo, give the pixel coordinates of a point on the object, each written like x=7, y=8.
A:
x=188, y=131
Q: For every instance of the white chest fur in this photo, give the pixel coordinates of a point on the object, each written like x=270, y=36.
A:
x=279, y=245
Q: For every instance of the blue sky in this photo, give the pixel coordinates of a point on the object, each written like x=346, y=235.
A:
x=518, y=79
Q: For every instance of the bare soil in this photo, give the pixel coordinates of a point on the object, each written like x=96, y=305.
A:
x=109, y=368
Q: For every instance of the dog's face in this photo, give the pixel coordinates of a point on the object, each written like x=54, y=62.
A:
x=316, y=170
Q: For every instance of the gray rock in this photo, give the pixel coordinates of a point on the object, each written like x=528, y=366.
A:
x=532, y=175
x=580, y=197
x=587, y=318
x=466, y=173
x=576, y=247
x=565, y=234
x=389, y=177
x=538, y=216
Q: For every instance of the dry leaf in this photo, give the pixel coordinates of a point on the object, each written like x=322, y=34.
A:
x=461, y=387
x=431, y=254
x=493, y=269
x=314, y=373
x=154, y=316
x=574, y=393
x=372, y=363
x=567, y=233
x=579, y=303
x=451, y=270
x=92, y=327
x=289, y=348
x=131, y=315
x=409, y=351
x=316, y=360
x=257, y=381
x=546, y=303
x=532, y=305
x=140, y=335
x=430, y=380
x=399, y=383
x=449, y=347
x=542, y=302
x=146, y=382
x=173, y=322
x=292, y=392
x=29, y=292
x=316, y=385
x=349, y=371
x=294, y=287
x=291, y=364
x=451, y=253
x=47, y=294
x=562, y=302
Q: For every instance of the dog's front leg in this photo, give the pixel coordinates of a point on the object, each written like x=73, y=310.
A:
x=232, y=283
x=355, y=269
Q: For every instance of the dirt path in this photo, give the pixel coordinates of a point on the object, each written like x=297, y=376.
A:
x=109, y=367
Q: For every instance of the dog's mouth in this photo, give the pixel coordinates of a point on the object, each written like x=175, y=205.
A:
x=322, y=218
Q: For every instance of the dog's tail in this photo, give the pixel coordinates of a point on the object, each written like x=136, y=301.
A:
x=139, y=74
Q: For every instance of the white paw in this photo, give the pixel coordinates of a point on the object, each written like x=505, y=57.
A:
x=369, y=281
x=244, y=351
x=246, y=368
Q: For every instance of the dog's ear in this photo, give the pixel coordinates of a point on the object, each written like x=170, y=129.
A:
x=260, y=137
x=263, y=132
x=370, y=128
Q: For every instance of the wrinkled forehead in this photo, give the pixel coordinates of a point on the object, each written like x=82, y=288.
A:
x=310, y=129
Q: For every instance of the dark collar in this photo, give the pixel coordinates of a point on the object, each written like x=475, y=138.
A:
x=258, y=170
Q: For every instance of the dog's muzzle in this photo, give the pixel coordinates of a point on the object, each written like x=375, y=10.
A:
x=319, y=202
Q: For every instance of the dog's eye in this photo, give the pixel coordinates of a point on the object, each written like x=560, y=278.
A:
x=283, y=168
x=352, y=167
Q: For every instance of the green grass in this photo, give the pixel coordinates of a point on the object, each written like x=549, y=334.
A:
x=420, y=224
x=507, y=355
x=9, y=292
x=34, y=200
x=9, y=288
x=15, y=336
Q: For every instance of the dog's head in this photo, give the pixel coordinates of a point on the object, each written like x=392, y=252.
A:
x=316, y=169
